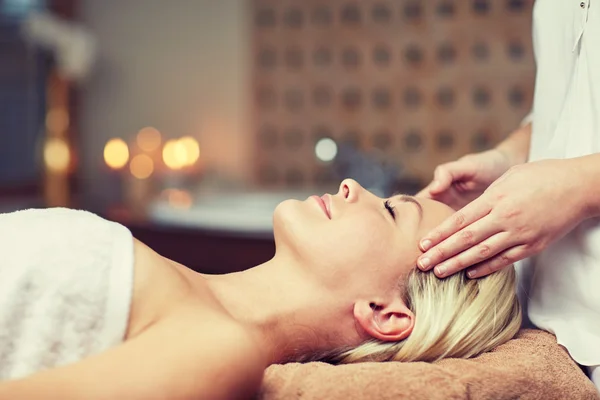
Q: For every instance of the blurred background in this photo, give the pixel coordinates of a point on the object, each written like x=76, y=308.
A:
x=189, y=120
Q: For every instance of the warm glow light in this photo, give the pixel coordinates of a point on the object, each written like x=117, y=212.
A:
x=326, y=149
x=148, y=139
x=178, y=198
x=192, y=149
x=174, y=154
x=181, y=153
x=116, y=153
x=57, y=120
x=57, y=155
x=141, y=166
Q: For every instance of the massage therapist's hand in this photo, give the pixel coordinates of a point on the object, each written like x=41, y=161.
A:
x=519, y=215
x=459, y=182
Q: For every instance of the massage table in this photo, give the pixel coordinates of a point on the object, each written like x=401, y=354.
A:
x=531, y=366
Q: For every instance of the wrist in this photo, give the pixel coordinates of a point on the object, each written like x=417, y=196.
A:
x=586, y=172
x=515, y=148
x=506, y=155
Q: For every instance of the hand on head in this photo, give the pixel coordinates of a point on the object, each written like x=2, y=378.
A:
x=459, y=182
x=519, y=215
x=358, y=252
x=358, y=246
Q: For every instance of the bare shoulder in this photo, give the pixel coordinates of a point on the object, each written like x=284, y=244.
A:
x=225, y=355
x=212, y=352
x=184, y=356
x=157, y=289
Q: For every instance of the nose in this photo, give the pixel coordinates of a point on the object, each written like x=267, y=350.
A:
x=350, y=190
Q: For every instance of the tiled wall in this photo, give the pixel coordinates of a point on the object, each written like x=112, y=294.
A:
x=419, y=81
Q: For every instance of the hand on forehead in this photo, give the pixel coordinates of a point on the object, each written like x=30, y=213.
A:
x=434, y=213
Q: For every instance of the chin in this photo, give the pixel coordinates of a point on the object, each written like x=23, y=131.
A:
x=290, y=223
x=285, y=217
x=284, y=211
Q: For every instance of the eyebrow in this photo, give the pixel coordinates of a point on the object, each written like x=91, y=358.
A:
x=410, y=199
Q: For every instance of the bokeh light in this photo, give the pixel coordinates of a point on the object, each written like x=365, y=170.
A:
x=57, y=120
x=174, y=154
x=326, y=149
x=192, y=149
x=179, y=153
x=148, y=139
x=141, y=166
x=116, y=153
x=57, y=155
x=178, y=198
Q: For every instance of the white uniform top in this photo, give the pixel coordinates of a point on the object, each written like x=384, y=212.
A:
x=564, y=286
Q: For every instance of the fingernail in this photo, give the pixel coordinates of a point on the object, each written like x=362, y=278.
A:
x=425, y=244
x=424, y=263
x=472, y=273
x=440, y=270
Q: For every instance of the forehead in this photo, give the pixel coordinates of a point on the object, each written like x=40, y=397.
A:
x=434, y=212
x=434, y=209
x=414, y=221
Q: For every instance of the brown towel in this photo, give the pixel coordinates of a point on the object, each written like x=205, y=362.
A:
x=531, y=366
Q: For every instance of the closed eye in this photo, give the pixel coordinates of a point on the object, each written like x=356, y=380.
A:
x=390, y=208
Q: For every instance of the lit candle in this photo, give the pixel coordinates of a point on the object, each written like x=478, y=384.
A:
x=116, y=157
x=140, y=185
x=57, y=157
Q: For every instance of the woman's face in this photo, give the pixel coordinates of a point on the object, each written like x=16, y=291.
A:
x=354, y=240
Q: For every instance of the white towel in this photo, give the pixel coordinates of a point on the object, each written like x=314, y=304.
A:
x=66, y=280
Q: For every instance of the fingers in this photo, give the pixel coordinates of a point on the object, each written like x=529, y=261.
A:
x=499, y=261
x=425, y=193
x=445, y=176
x=442, y=180
x=464, y=217
x=473, y=244
x=430, y=191
x=476, y=255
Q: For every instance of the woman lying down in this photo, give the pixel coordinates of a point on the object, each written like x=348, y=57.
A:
x=87, y=312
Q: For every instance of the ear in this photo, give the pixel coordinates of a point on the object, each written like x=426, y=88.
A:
x=387, y=321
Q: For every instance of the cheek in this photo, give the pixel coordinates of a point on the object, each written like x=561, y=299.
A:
x=320, y=242
x=360, y=246
x=367, y=252
x=350, y=245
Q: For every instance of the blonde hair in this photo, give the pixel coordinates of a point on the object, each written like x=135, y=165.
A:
x=455, y=317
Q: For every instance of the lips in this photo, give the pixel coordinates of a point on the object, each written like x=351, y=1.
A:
x=323, y=202
x=327, y=200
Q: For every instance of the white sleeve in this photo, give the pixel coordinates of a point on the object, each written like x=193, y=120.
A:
x=528, y=119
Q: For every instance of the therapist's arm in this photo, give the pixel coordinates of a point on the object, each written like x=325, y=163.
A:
x=588, y=168
x=516, y=145
x=521, y=214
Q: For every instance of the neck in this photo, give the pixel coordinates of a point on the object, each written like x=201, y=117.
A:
x=287, y=312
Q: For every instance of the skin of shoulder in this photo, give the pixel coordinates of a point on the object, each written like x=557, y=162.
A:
x=179, y=345
x=229, y=357
x=157, y=289
x=227, y=361
x=184, y=356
